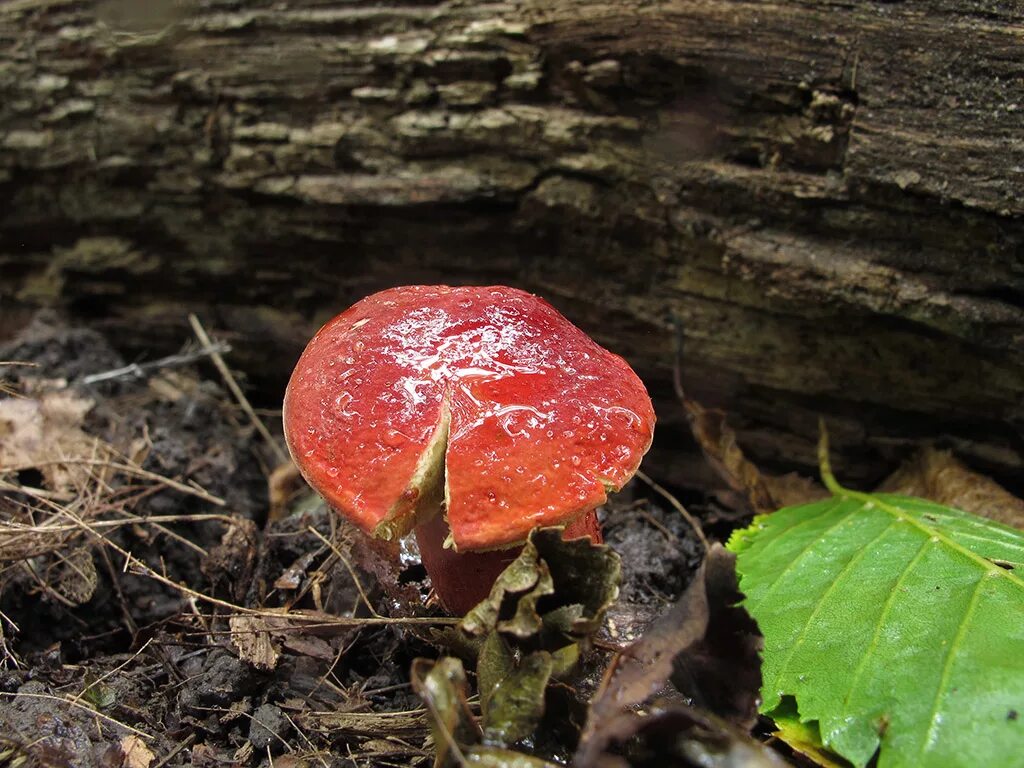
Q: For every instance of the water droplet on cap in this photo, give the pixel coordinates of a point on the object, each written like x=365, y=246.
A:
x=393, y=438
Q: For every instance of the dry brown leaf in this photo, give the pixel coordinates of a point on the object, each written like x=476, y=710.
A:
x=73, y=575
x=251, y=637
x=306, y=645
x=283, y=483
x=791, y=489
x=293, y=576
x=244, y=753
x=40, y=432
x=763, y=493
x=135, y=753
x=706, y=645
x=236, y=711
x=678, y=735
x=942, y=478
x=292, y=761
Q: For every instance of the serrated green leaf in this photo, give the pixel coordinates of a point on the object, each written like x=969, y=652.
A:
x=804, y=738
x=895, y=623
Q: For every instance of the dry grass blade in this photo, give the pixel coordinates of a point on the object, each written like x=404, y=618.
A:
x=236, y=390
x=404, y=725
x=698, y=531
x=128, y=469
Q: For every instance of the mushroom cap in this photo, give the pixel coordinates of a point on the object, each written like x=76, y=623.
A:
x=486, y=397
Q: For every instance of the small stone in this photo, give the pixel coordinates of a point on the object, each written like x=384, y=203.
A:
x=268, y=728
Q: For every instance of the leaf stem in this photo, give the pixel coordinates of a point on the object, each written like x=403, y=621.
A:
x=825, y=464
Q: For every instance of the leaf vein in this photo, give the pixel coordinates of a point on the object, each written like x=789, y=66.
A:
x=947, y=666
x=886, y=609
x=857, y=557
x=888, y=507
x=753, y=605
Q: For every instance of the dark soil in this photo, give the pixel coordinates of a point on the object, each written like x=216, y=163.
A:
x=141, y=655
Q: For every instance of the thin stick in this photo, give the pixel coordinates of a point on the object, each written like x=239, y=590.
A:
x=305, y=620
x=690, y=519
x=351, y=570
x=130, y=520
x=139, y=370
x=182, y=745
x=116, y=669
x=128, y=469
x=243, y=401
x=305, y=738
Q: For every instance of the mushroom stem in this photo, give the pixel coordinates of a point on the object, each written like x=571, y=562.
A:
x=463, y=579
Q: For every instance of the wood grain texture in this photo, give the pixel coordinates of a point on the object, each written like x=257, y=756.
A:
x=827, y=197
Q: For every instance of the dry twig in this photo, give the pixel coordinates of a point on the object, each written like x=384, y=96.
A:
x=236, y=390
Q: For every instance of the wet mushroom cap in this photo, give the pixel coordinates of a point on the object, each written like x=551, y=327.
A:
x=485, y=397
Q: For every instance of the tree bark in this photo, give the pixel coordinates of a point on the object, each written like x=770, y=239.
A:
x=824, y=200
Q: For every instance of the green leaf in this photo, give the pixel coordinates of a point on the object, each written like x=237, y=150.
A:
x=100, y=696
x=801, y=737
x=516, y=703
x=584, y=574
x=442, y=686
x=560, y=589
x=895, y=624
x=526, y=580
x=495, y=662
x=533, y=627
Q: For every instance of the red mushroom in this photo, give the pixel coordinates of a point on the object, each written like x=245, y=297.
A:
x=484, y=402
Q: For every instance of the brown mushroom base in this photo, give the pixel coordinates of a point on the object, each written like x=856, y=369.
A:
x=463, y=579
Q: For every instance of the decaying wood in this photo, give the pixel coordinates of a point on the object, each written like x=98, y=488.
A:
x=827, y=197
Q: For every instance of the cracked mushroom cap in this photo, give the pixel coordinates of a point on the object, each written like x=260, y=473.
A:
x=485, y=398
